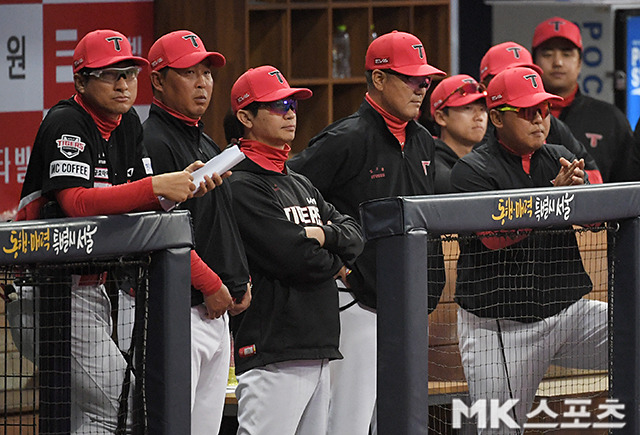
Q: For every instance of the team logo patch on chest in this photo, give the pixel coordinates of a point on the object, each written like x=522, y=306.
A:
x=377, y=172
x=594, y=139
x=70, y=146
x=425, y=165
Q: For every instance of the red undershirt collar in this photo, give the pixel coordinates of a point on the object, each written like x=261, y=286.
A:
x=558, y=106
x=525, y=158
x=267, y=157
x=189, y=121
x=396, y=126
x=105, y=126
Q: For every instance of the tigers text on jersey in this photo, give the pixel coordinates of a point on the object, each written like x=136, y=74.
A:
x=294, y=311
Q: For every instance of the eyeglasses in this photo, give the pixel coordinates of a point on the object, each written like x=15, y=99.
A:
x=463, y=91
x=528, y=113
x=112, y=75
x=414, y=82
x=281, y=107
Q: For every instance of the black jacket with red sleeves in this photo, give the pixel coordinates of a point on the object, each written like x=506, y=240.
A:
x=294, y=311
x=357, y=159
x=534, y=278
x=69, y=152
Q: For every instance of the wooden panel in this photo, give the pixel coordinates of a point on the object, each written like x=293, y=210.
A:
x=443, y=327
x=445, y=363
x=312, y=117
x=309, y=47
x=267, y=39
x=347, y=98
x=433, y=29
x=387, y=19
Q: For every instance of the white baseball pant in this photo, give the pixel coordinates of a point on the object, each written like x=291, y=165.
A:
x=210, y=356
x=97, y=365
x=290, y=397
x=353, y=379
x=576, y=338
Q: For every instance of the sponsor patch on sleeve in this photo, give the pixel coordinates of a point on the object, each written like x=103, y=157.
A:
x=146, y=161
x=65, y=168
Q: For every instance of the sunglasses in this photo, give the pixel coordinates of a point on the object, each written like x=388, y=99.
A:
x=528, y=113
x=463, y=91
x=281, y=107
x=112, y=75
x=413, y=82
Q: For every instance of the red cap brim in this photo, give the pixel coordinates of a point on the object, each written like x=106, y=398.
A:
x=419, y=70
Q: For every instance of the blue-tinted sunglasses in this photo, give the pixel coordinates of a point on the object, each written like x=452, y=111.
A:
x=281, y=107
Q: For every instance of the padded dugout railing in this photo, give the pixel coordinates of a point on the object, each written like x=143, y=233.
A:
x=400, y=227
x=167, y=237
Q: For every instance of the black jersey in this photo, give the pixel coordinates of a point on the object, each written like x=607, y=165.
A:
x=606, y=133
x=560, y=134
x=357, y=159
x=69, y=151
x=530, y=280
x=444, y=161
x=294, y=311
x=172, y=146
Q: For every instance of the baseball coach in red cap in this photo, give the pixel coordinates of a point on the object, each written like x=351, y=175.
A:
x=514, y=321
x=88, y=160
x=182, y=78
x=379, y=151
x=296, y=244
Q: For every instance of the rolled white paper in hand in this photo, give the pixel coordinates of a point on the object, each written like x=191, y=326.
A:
x=221, y=163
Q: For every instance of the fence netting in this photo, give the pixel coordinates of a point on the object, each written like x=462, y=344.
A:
x=524, y=315
x=73, y=343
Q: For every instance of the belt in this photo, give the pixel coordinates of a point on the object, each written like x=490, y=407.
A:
x=92, y=279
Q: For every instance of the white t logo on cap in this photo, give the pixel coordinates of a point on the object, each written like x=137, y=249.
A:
x=116, y=42
x=533, y=78
x=192, y=38
x=420, y=50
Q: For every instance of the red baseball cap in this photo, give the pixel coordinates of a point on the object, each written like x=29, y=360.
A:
x=506, y=55
x=557, y=27
x=264, y=83
x=401, y=52
x=181, y=49
x=446, y=94
x=102, y=48
x=518, y=87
